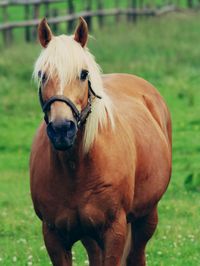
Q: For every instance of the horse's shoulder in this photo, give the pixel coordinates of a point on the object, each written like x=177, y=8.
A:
x=127, y=89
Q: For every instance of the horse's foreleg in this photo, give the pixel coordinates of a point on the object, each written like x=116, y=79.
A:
x=114, y=241
x=94, y=252
x=59, y=256
x=142, y=230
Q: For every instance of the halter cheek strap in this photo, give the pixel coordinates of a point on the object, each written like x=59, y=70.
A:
x=80, y=117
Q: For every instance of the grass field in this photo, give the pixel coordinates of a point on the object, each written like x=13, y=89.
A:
x=166, y=52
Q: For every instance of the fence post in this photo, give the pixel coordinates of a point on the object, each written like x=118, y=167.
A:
x=190, y=3
x=47, y=12
x=100, y=16
x=134, y=6
x=128, y=14
x=27, y=28
x=89, y=18
x=117, y=15
x=7, y=33
x=36, y=13
x=71, y=9
x=55, y=25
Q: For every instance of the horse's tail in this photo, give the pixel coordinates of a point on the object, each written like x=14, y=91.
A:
x=127, y=245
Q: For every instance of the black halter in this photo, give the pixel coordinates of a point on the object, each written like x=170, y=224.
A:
x=80, y=117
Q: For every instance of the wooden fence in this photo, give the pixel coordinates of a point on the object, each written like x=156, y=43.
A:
x=34, y=10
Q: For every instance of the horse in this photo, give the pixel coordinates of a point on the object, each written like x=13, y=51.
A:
x=101, y=158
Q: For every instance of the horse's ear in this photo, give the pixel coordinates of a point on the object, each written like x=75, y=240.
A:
x=44, y=33
x=81, y=32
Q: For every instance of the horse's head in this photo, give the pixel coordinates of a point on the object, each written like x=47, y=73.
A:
x=64, y=87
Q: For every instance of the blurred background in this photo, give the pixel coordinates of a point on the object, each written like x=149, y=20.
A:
x=158, y=40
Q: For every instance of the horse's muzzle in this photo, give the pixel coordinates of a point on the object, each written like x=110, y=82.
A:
x=62, y=134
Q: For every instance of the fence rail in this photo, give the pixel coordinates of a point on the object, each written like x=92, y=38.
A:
x=27, y=2
x=32, y=14
x=103, y=12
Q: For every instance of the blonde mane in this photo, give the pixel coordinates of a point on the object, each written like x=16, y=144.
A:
x=65, y=57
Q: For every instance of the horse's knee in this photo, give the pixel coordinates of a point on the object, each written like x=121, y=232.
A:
x=58, y=254
x=114, y=241
x=93, y=250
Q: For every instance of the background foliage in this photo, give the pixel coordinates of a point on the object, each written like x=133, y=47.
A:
x=166, y=52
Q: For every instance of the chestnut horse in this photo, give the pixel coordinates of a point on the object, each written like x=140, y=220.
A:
x=101, y=160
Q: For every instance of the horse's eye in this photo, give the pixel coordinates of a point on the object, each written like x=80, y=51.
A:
x=84, y=74
x=41, y=76
x=44, y=78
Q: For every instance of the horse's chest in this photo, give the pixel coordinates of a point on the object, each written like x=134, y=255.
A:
x=77, y=215
x=74, y=224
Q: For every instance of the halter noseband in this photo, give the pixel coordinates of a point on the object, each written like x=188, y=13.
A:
x=80, y=117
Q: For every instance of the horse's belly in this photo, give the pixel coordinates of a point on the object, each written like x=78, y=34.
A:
x=149, y=190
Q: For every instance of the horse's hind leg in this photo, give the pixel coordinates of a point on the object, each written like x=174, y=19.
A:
x=94, y=252
x=142, y=230
x=59, y=256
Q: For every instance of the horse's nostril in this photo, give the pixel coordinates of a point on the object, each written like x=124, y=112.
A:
x=67, y=127
x=62, y=134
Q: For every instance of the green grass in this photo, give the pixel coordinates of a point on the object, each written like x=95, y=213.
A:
x=164, y=51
